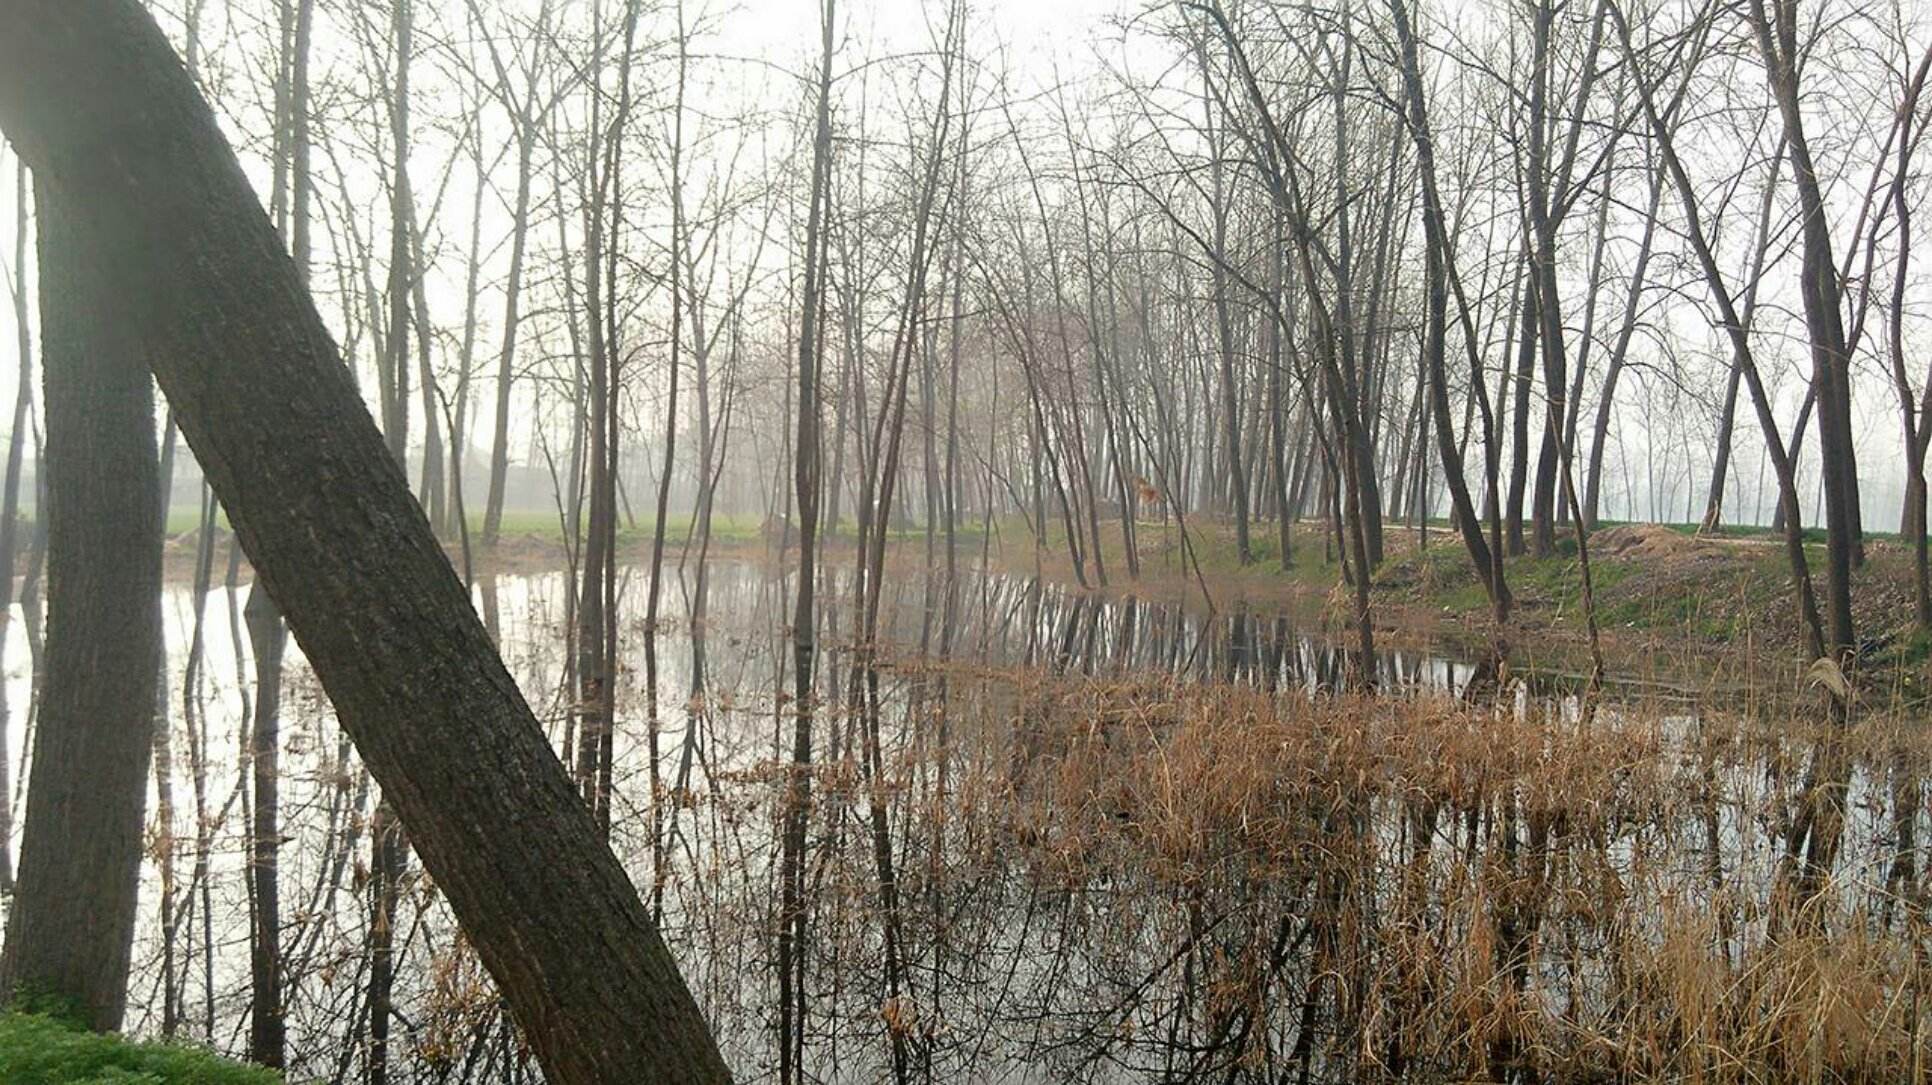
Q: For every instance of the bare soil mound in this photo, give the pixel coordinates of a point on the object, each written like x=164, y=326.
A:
x=1645, y=542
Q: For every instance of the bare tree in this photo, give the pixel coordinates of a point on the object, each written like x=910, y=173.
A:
x=274, y=417
x=796, y=810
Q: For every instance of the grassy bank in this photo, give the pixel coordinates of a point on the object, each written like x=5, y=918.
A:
x=41, y=1050
x=1660, y=589
x=1668, y=600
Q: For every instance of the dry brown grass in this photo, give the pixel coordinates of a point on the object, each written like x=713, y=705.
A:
x=1474, y=893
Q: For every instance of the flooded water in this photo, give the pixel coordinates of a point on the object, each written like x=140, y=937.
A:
x=1134, y=842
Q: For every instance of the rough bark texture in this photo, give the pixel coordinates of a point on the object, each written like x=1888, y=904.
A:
x=71, y=930
x=96, y=101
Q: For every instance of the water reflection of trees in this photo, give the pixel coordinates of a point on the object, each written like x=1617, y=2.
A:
x=1132, y=842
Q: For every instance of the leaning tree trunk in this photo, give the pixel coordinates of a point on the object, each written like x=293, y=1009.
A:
x=1619, y=353
x=70, y=934
x=195, y=268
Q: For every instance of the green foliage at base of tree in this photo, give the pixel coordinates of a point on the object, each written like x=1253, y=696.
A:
x=37, y=1049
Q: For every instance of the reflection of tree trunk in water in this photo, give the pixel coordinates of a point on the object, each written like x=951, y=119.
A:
x=492, y=607
x=1902, y=877
x=1712, y=819
x=163, y=757
x=173, y=985
x=10, y=497
x=1811, y=846
x=875, y=510
x=347, y=798
x=386, y=861
x=197, y=728
x=267, y=638
x=1518, y=917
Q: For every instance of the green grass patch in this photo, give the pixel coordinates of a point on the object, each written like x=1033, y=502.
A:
x=36, y=1049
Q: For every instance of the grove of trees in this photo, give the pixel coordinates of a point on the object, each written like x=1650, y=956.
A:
x=414, y=277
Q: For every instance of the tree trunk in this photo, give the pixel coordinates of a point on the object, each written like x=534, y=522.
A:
x=395, y=357
x=70, y=933
x=1727, y=418
x=1619, y=353
x=327, y=518
x=796, y=809
x=1224, y=332
x=505, y=371
x=1518, y=396
x=1436, y=240
x=1543, y=286
x=1824, y=320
